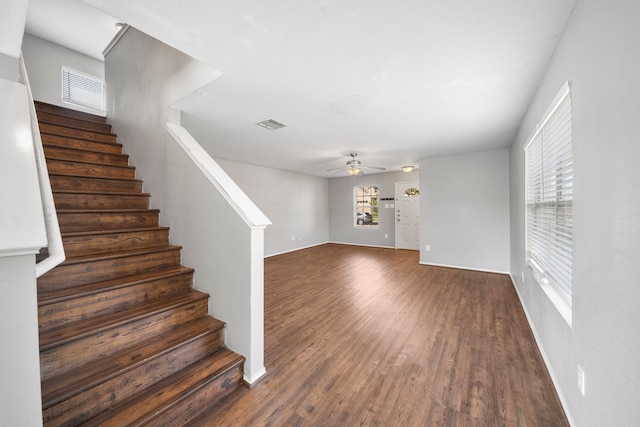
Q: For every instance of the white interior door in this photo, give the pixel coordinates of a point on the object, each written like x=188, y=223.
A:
x=407, y=215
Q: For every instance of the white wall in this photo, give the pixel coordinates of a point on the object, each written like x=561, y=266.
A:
x=464, y=208
x=144, y=77
x=296, y=204
x=44, y=61
x=341, y=226
x=599, y=53
x=20, y=400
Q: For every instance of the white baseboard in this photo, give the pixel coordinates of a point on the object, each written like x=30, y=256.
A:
x=255, y=378
x=296, y=249
x=359, y=244
x=554, y=378
x=484, y=270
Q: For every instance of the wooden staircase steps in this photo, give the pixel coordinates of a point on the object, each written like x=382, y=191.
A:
x=92, y=242
x=124, y=337
x=80, y=144
x=66, y=182
x=90, y=169
x=102, y=219
x=75, y=154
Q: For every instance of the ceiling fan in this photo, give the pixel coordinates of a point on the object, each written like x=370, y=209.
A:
x=354, y=167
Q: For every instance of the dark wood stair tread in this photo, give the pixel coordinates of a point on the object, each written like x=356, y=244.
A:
x=53, y=140
x=105, y=211
x=100, y=193
x=52, y=297
x=68, y=112
x=61, y=181
x=75, y=175
x=72, y=154
x=68, y=333
x=84, y=162
x=70, y=127
x=76, y=123
x=161, y=397
x=55, y=390
x=100, y=232
x=65, y=131
x=117, y=254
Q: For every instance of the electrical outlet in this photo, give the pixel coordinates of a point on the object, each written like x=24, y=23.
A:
x=386, y=236
x=581, y=380
x=293, y=238
x=427, y=248
x=523, y=277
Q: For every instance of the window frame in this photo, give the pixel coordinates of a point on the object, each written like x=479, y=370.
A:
x=68, y=74
x=371, y=207
x=549, y=203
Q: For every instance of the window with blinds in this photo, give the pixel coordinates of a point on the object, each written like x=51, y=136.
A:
x=549, y=198
x=82, y=89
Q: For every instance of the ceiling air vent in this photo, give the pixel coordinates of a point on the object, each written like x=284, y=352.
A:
x=271, y=124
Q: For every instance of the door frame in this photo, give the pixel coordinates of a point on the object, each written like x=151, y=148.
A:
x=396, y=204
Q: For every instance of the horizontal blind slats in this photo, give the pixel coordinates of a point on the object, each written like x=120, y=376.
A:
x=549, y=195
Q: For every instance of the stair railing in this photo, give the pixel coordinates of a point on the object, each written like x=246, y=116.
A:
x=55, y=248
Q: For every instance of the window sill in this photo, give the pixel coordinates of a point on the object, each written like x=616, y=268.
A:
x=558, y=301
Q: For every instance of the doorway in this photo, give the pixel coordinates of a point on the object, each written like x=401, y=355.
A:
x=407, y=197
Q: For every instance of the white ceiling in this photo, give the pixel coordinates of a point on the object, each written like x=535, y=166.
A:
x=395, y=81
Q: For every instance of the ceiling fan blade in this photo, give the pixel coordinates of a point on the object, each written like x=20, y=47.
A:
x=375, y=167
x=335, y=169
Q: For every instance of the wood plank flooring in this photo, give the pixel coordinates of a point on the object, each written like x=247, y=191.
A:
x=358, y=336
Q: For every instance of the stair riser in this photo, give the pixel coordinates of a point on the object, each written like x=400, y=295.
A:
x=74, y=155
x=76, y=133
x=90, y=169
x=80, y=144
x=90, y=402
x=92, y=244
x=200, y=401
x=66, y=112
x=111, y=301
x=74, y=183
x=66, y=357
x=87, y=221
x=100, y=201
x=212, y=380
x=69, y=275
x=73, y=123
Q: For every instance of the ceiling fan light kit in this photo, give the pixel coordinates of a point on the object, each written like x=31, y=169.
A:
x=354, y=167
x=407, y=168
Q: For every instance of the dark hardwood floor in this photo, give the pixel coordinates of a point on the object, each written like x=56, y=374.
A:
x=358, y=336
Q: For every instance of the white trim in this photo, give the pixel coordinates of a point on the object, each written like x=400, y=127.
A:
x=240, y=202
x=114, y=41
x=255, y=378
x=484, y=270
x=554, y=378
x=54, y=238
x=553, y=292
x=74, y=103
x=565, y=91
x=363, y=245
x=296, y=249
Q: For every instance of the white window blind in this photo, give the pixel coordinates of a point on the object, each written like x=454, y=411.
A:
x=549, y=197
x=82, y=89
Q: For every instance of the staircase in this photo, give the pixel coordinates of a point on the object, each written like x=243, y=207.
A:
x=124, y=337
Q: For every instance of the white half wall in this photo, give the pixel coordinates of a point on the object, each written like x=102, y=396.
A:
x=21, y=235
x=144, y=78
x=464, y=208
x=44, y=61
x=296, y=204
x=598, y=52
